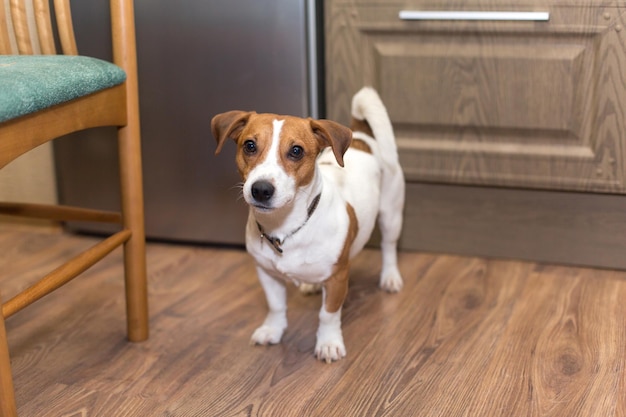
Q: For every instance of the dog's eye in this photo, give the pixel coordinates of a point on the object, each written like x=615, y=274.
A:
x=296, y=152
x=249, y=147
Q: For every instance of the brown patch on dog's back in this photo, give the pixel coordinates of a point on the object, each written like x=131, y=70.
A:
x=337, y=285
x=360, y=145
x=361, y=126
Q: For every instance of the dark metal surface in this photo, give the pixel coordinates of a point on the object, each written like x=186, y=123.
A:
x=196, y=59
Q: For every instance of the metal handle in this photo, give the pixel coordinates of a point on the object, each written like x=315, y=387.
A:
x=463, y=15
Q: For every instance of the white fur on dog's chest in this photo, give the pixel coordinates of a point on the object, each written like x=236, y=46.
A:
x=308, y=256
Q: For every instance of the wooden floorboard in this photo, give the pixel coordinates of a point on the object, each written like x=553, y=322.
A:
x=465, y=337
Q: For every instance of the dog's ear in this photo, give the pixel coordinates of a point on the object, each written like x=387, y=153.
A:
x=332, y=134
x=228, y=125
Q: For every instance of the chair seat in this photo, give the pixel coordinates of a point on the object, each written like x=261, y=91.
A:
x=29, y=83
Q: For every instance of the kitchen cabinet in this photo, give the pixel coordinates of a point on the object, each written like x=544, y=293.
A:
x=510, y=119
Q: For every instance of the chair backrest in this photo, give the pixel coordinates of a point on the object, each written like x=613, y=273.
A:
x=26, y=27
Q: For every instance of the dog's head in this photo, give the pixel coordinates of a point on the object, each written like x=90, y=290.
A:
x=276, y=154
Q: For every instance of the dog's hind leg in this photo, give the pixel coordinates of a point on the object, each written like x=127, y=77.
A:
x=366, y=104
x=390, y=224
x=276, y=320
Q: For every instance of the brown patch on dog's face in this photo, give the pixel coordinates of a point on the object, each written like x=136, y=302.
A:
x=254, y=143
x=298, y=150
x=279, y=150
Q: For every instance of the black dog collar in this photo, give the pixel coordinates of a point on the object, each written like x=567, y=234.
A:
x=276, y=242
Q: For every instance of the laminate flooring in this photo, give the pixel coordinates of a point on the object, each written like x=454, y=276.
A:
x=465, y=337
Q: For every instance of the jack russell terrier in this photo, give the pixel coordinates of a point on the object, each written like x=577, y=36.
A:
x=315, y=189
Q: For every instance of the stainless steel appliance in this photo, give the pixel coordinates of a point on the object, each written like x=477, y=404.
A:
x=196, y=58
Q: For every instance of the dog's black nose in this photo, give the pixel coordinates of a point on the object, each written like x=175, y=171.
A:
x=262, y=191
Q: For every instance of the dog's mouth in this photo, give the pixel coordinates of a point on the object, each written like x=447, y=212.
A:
x=262, y=208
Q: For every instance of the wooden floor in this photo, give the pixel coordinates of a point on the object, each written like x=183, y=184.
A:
x=466, y=337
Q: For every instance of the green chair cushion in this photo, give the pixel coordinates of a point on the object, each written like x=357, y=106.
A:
x=29, y=83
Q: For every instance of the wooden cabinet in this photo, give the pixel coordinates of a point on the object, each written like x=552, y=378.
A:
x=511, y=103
x=531, y=104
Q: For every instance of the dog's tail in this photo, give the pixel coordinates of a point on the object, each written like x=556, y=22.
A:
x=367, y=106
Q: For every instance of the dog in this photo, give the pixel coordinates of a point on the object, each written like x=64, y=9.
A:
x=315, y=189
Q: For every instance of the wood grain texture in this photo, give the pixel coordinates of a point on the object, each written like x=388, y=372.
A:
x=7, y=405
x=5, y=40
x=63, y=15
x=59, y=213
x=44, y=26
x=465, y=337
x=479, y=106
x=116, y=106
x=524, y=104
x=483, y=5
x=131, y=181
x=547, y=226
x=64, y=274
x=27, y=132
x=19, y=18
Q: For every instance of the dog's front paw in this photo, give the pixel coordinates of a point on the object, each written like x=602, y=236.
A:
x=331, y=349
x=391, y=280
x=266, y=335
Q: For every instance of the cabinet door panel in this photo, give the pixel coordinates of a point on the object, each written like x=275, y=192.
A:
x=531, y=104
x=491, y=86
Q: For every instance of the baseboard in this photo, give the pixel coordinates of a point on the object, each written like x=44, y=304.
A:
x=19, y=222
x=546, y=226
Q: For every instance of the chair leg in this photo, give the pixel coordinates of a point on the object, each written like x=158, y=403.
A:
x=133, y=217
x=136, y=289
x=129, y=139
x=7, y=394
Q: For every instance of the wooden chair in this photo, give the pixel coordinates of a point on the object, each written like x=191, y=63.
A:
x=43, y=96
